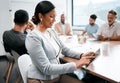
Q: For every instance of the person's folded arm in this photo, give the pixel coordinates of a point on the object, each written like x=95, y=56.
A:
x=114, y=38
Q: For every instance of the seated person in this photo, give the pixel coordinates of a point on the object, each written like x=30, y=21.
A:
x=110, y=30
x=14, y=39
x=45, y=47
x=63, y=28
x=92, y=27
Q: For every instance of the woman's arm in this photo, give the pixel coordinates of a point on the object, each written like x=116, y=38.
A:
x=42, y=62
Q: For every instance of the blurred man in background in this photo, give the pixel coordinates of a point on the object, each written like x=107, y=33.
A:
x=92, y=27
x=62, y=27
x=110, y=30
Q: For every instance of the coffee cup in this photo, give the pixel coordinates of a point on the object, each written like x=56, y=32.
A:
x=105, y=48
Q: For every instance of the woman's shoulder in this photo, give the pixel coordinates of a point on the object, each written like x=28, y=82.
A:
x=34, y=34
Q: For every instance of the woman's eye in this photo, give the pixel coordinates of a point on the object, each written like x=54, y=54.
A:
x=51, y=16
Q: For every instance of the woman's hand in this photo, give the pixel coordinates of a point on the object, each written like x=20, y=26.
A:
x=85, y=59
x=88, y=54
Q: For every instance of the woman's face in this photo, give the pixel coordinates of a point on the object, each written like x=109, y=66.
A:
x=48, y=19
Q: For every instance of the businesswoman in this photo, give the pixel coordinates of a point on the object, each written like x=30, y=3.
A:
x=44, y=48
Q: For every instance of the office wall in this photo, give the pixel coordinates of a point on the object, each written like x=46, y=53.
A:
x=8, y=8
x=29, y=5
x=5, y=16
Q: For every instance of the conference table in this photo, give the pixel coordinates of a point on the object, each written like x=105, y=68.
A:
x=107, y=63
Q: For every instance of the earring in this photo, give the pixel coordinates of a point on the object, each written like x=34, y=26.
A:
x=41, y=20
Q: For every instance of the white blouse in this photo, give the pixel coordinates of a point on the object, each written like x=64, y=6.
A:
x=48, y=35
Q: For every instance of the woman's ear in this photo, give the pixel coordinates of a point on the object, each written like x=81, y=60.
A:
x=40, y=16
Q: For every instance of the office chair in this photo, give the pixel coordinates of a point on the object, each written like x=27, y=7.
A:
x=23, y=62
x=12, y=72
x=7, y=62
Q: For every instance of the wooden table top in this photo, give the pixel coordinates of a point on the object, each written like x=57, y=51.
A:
x=106, y=65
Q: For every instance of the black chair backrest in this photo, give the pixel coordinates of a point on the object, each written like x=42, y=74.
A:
x=6, y=65
x=9, y=71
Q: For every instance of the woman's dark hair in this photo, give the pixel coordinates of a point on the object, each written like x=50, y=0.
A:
x=21, y=17
x=93, y=16
x=42, y=7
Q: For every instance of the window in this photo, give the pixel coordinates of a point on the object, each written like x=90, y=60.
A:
x=82, y=9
